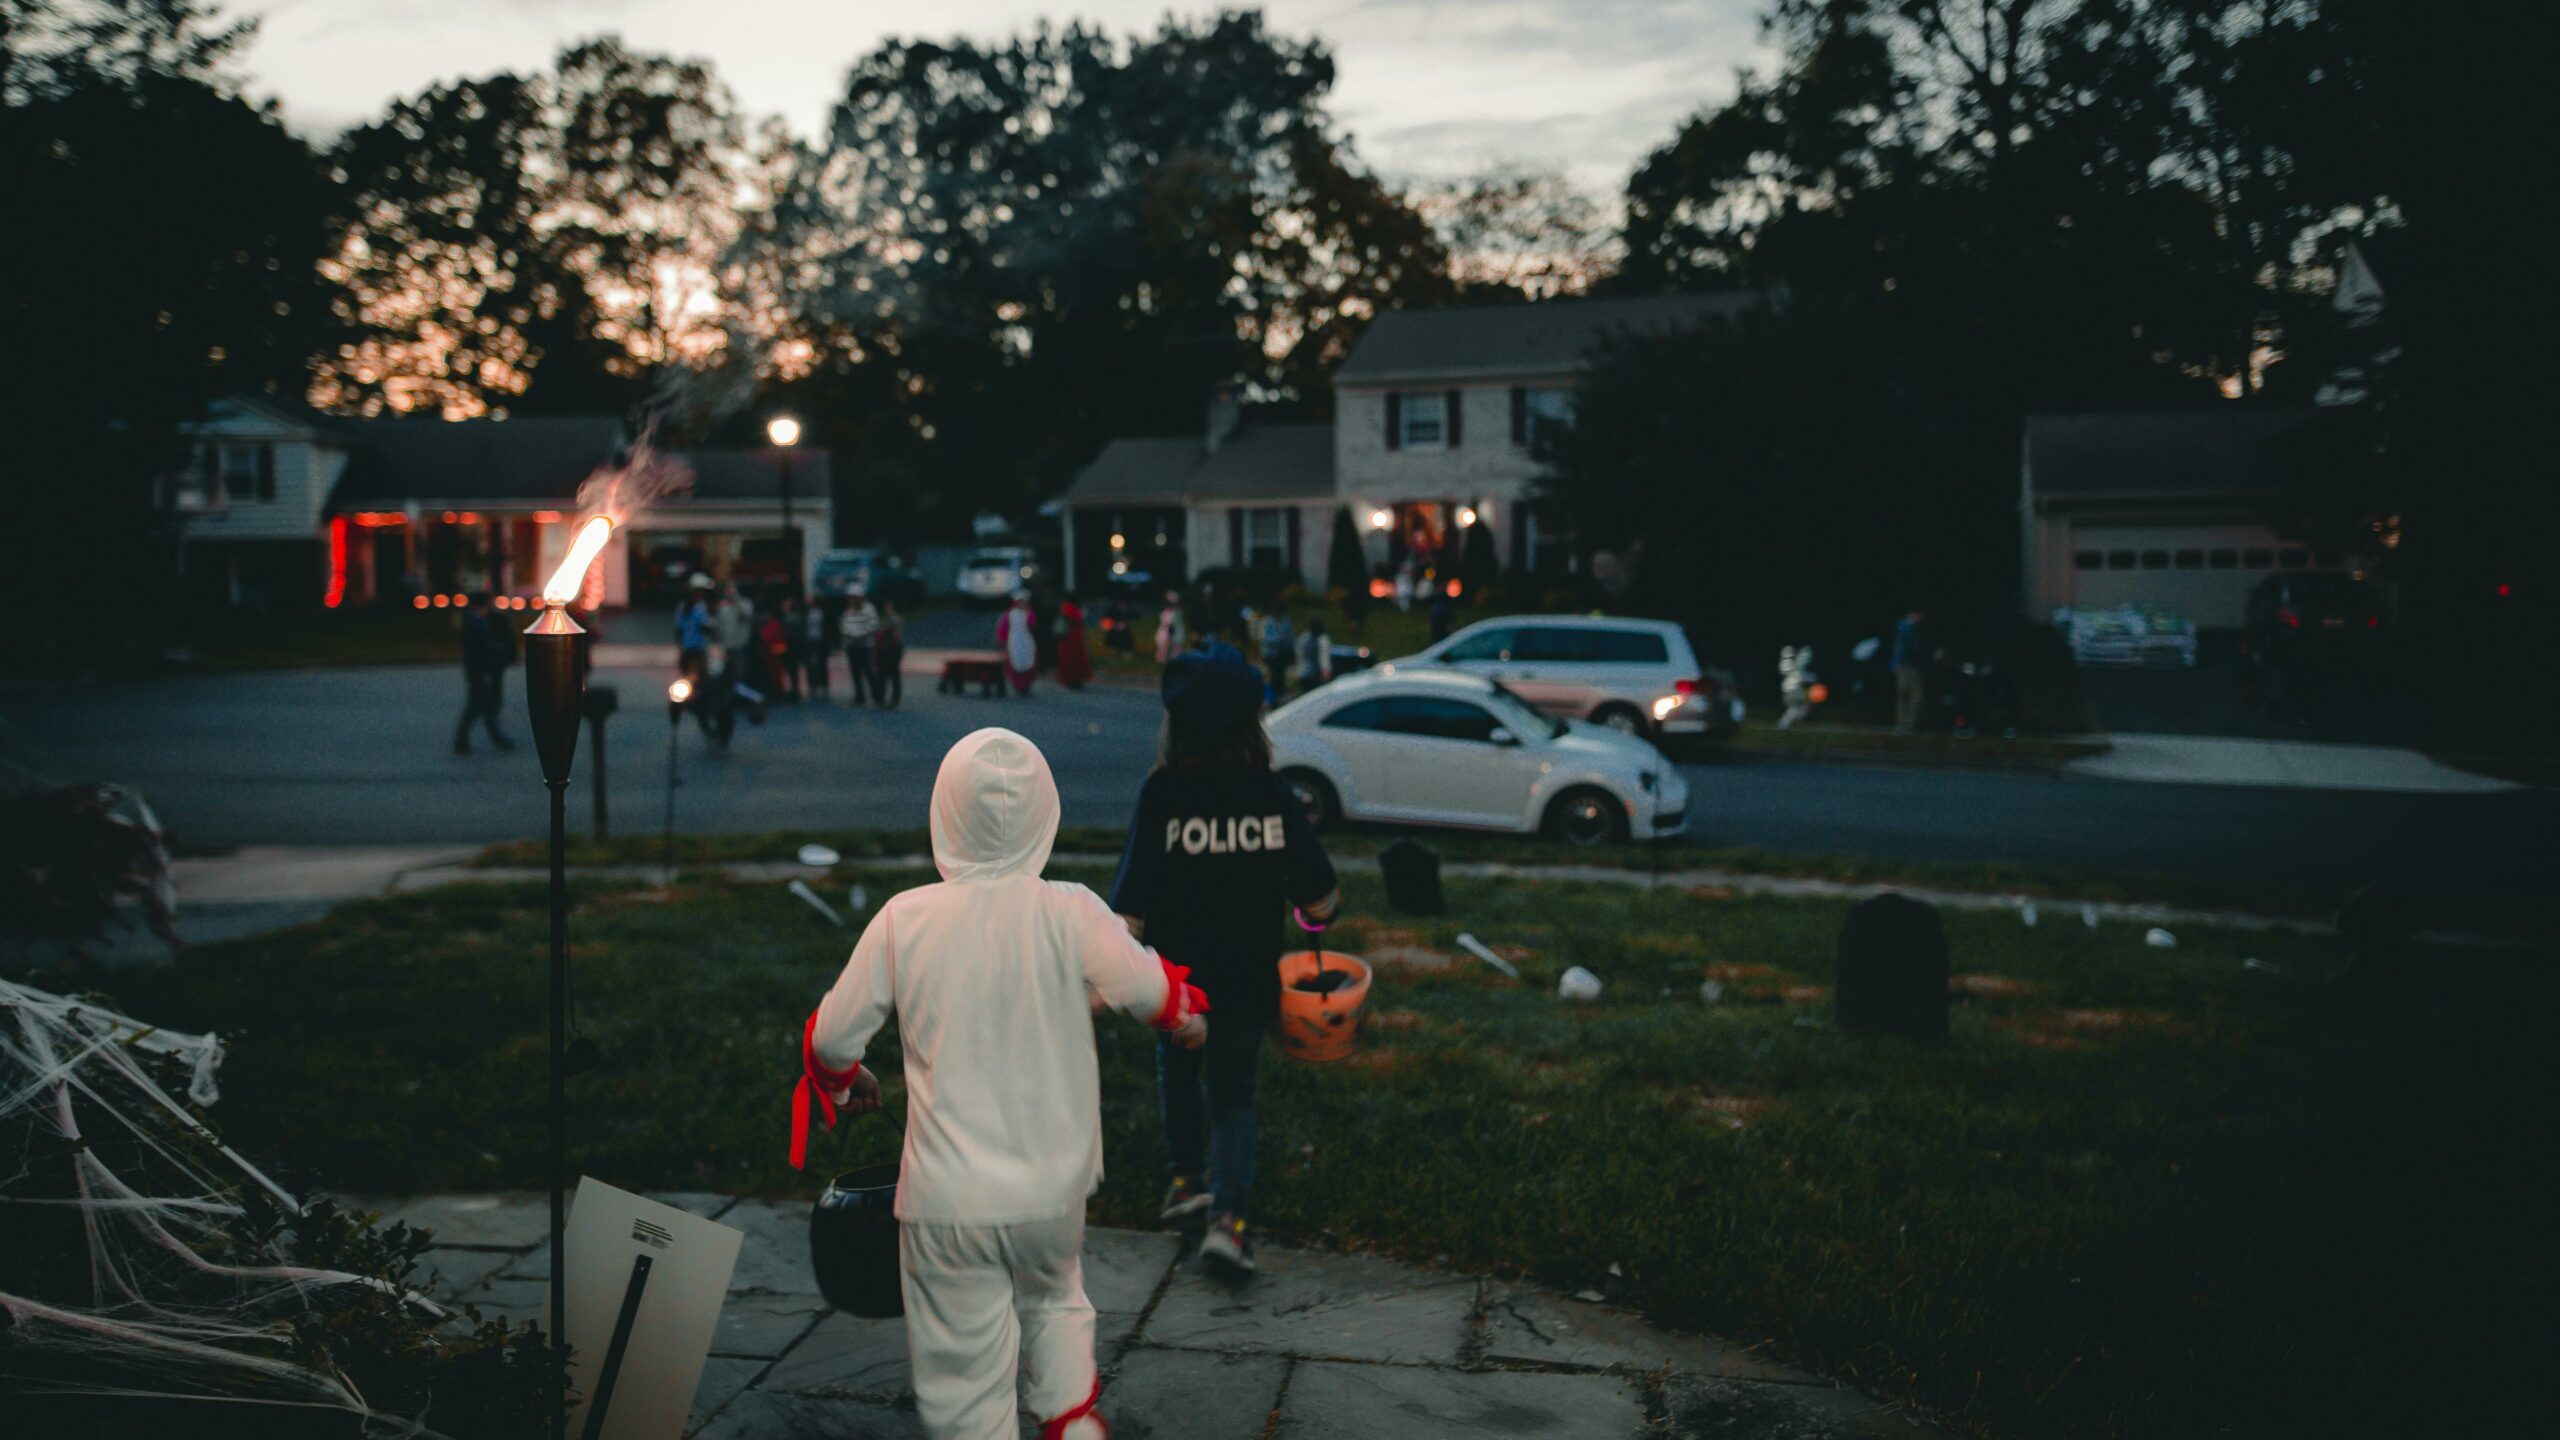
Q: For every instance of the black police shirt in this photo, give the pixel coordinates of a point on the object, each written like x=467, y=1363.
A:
x=1215, y=856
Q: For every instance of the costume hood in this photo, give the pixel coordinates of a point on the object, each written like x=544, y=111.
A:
x=995, y=808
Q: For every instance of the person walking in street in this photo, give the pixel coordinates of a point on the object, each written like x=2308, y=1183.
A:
x=1315, y=656
x=860, y=631
x=1075, y=662
x=733, y=630
x=693, y=629
x=488, y=649
x=1279, y=654
x=817, y=643
x=1017, y=637
x=1910, y=673
x=773, y=641
x=993, y=975
x=889, y=657
x=1217, y=851
x=1170, y=640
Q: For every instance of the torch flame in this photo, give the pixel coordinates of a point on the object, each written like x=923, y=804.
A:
x=565, y=582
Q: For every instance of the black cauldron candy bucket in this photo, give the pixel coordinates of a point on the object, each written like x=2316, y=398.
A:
x=853, y=1243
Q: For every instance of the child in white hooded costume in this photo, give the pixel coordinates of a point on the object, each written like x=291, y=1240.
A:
x=993, y=975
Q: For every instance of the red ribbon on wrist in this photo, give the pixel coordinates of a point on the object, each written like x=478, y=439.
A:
x=1182, y=999
x=1055, y=1427
x=815, y=1081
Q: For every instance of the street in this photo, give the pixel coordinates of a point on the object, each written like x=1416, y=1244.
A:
x=363, y=756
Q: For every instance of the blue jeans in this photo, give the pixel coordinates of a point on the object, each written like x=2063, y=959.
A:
x=1227, y=1062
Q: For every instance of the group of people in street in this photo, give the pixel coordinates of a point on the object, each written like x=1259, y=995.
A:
x=742, y=652
x=1286, y=652
x=992, y=975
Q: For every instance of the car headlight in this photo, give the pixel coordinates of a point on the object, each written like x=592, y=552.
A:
x=1663, y=707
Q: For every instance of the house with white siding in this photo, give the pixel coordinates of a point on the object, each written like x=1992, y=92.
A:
x=1437, y=417
x=281, y=507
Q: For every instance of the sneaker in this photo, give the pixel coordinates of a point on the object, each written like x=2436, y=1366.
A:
x=1183, y=1197
x=1225, y=1248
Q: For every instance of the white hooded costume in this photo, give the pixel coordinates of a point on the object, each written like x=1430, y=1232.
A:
x=989, y=975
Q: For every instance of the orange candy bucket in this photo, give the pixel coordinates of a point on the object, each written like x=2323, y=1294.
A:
x=1320, y=1027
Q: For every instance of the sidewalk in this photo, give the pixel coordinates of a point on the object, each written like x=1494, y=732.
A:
x=2287, y=764
x=1315, y=1346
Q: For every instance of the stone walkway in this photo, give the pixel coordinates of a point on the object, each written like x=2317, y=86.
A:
x=1317, y=1345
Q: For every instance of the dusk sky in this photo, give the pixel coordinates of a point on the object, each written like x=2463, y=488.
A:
x=1429, y=89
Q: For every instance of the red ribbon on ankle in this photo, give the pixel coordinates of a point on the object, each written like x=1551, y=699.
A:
x=815, y=1081
x=1057, y=1429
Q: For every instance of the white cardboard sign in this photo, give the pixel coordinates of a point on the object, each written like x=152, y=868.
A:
x=646, y=1283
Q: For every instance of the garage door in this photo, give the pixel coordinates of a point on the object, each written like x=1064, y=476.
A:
x=2201, y=573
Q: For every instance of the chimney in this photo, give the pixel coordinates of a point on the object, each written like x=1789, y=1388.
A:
x=1225, y=413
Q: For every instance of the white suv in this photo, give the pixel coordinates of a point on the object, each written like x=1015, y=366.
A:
x=1637, y=676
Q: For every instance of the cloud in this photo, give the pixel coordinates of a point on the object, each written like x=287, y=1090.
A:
x=1428, y=88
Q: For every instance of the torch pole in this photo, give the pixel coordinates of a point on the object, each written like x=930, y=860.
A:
x=555, y=676
x=560, y=1096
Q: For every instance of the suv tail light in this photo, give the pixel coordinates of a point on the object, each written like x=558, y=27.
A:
x=1696, y=686
x=2288, y=619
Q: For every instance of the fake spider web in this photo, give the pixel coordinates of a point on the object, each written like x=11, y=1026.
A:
x=132, y=1263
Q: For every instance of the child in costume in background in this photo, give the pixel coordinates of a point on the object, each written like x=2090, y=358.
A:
x=993, y=975
x=1218, y=851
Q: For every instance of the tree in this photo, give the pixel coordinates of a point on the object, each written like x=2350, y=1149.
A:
x=1514, y=233
x=1047, y=240
x=2091, y=202
x=517, y=242
x=1346, y=565
x=1784, y=479
x=173, y=262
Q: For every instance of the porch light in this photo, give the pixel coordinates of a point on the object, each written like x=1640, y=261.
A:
x=1466, y=516
x=1381, y=519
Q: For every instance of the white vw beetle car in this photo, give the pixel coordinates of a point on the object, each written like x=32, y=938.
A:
x=1442, y=747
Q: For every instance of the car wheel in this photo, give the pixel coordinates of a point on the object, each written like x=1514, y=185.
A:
x=1587, y=816
x=1314, y=795
x=1624, y=719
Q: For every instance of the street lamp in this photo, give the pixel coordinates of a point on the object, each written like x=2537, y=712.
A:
x=555, y=679
x=784, y=432
x=677, y=694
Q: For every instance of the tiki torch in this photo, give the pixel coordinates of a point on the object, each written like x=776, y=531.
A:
x=555, y=678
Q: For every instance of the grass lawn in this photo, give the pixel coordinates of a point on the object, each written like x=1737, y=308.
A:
x=2144, y=1191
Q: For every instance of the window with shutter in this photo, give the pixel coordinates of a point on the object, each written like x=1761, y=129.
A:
x=266, y=472
x=1395, y=421
x=1455, y=409
x=1425, y=416
x=1519, y=414
x=1235, y=537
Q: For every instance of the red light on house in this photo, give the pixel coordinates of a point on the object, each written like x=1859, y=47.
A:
x=2373, y=622
x=443, y=600
x=546, y=517
x=1380, y=589
x=470, y=517
x=337, y=592
x=2505, y=590
x=417, y=602
x=451, y=517
x=1453, y=589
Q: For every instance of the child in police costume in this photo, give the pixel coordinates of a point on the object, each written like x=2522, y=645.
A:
x=1216, y=856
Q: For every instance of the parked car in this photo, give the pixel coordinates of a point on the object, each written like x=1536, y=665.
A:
x=2312, y=614
x=1441, y=747
x=1638, y=677
x=991, y=573
x=881, y=575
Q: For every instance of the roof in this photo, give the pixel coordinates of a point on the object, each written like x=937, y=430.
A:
x=755, y=474
x=2231, y=449
x=1547, y=337
x=1257, y=462
x=530, y=458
